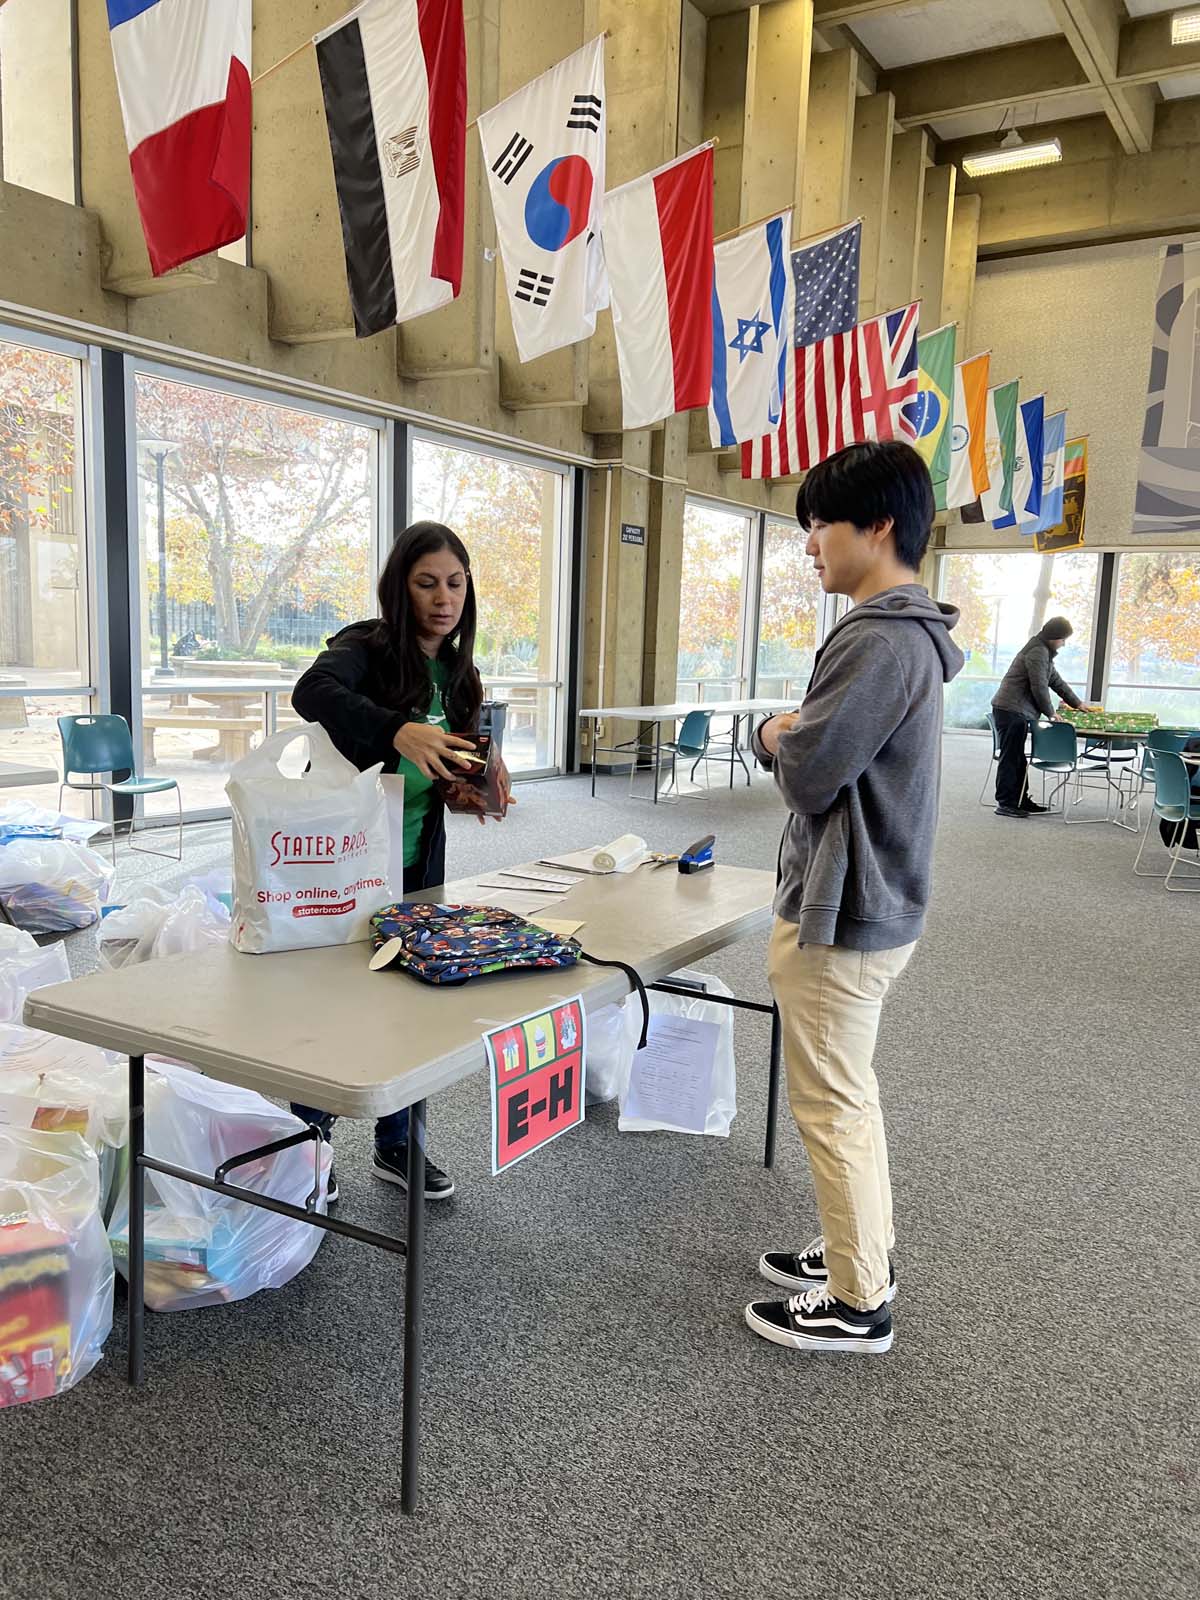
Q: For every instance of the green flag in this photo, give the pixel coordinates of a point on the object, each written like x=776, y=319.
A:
x=935, y=387
x=998, y=499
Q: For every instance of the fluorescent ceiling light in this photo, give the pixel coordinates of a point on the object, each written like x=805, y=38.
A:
x=1185, y=27
x=1014, y=158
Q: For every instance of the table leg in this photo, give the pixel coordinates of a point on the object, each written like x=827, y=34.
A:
x=773, y=1087
x=657, y=756
x=414, y=1297
x=595, y=736
x=137, y=1217
x=733, y=738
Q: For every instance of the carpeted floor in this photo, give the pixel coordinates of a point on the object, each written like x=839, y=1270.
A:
x=598, y=1419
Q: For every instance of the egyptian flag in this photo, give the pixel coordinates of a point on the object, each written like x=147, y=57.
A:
x=183, y=74
x=394, y=77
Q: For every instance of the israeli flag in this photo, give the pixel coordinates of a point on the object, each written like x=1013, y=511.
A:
x=753, y=311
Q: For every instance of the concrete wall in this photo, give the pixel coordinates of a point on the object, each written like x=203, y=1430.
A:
x=1077, y=324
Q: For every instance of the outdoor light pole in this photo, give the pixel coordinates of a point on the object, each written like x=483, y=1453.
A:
x=160, y=449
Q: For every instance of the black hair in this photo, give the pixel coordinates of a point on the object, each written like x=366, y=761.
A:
x=397, y=631
x=867, y=483
x=1056, y=628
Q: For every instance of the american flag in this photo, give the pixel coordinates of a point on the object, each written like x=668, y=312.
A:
x=819, y=414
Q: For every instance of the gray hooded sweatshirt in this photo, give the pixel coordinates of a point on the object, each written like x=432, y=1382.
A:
x=860, y=773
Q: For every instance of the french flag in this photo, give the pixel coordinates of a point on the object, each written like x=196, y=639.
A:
x=183, y=72
x=658, y=244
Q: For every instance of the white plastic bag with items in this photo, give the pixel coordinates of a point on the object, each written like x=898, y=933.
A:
x=56, y=1269
x=310, y=851
x=64, y=1086
x=203, y=1249
x=24, y=814
x=52, y=885
x=161, y=924
x=25, y=966
x=722, y=1092
x=610, y=1048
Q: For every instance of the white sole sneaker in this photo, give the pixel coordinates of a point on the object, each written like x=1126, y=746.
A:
x=789, y=1280
x=815, y=1342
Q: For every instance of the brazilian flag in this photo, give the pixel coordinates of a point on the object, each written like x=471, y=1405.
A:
x=935, y=386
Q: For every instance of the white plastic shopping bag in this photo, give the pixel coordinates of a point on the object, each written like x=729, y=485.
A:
x=56, y=1270
x=203, y=1249
x=25, y=966
x=719, y=1105
x=52, y=885
x=311, y=850
x=160, y=924
x=610, y=1047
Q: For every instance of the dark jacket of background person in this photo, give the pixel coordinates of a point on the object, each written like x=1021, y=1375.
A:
x=350, y=692
x=860, y=773
x=1027, y=685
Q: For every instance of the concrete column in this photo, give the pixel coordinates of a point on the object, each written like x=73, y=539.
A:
x=534, y=37
x=105, y=181
x=642, y=80
x=933, y=258
x=36, y=97
x=778, y=62
x=959, y=293
x=461, y=337
x=664, y=560
x=902, y=228
x=870, y=183
x=827, y=166
x=616, y=581
x=728, y=41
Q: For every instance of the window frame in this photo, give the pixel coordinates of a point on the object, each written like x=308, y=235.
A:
x=559, y=683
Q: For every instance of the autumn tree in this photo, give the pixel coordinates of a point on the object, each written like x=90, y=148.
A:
x=37, y=471
x=711, y=591
x=265, y=504
x=1158, y=613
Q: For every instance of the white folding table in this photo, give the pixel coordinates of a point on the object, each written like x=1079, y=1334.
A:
x=658, y=715
x=13, y=777
x=317, y=1027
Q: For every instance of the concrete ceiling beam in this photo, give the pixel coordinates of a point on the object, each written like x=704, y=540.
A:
x=1093, y=30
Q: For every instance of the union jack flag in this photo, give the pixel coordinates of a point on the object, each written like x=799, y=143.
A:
x=889, y=373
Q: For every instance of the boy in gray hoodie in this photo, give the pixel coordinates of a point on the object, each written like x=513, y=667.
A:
x=859, y=768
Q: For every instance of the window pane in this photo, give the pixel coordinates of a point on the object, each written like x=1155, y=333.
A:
x=710, y=603
x=29, y=738
x=1156, y=637
x=36, y=93
x=43, y=565
x=508, y=514
x=257, y=525
x=1004, y=600
x=791, y=606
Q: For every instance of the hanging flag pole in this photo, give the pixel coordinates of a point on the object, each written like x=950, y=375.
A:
x=809, y=238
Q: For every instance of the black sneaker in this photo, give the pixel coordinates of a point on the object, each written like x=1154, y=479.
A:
x=1032, y=809
x=816, y=1321
x=1011, y=811
x=806, y=1270
x=392, y=1166
x=332, y=1193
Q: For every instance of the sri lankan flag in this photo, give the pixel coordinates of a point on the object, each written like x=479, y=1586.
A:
x=935, y=386
x=1069, y=533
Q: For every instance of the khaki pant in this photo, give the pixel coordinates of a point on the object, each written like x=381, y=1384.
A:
x=829, y=1001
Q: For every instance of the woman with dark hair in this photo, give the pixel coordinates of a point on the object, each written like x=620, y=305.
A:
x=391, y=690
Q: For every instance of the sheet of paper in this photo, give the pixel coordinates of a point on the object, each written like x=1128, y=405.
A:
x=523, y=901
x=671, y=1081
x=562, y=926
x=583, y=861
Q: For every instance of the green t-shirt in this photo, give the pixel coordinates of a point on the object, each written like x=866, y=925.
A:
x=418, y=789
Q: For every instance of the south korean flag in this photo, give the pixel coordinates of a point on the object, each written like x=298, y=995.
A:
x=543, y=148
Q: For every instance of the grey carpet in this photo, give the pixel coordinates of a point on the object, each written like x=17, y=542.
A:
x=598, y=1419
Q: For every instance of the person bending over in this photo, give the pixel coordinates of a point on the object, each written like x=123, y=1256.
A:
x=1023, y=697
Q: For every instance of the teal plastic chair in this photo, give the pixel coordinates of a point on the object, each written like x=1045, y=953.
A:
x=1170, y=740
x=987, y=777
x=104, y=744
x=692, y=744
x=1176, y=805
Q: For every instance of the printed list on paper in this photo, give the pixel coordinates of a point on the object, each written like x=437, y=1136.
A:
x=671, y=1081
